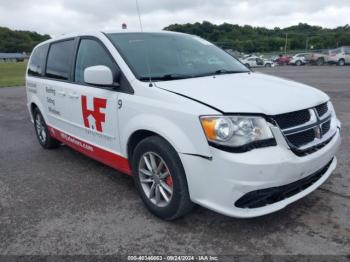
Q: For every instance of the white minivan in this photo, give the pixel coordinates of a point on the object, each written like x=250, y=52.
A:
x=189, y=122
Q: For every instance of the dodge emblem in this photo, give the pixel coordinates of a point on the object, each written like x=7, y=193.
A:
x=317, y=130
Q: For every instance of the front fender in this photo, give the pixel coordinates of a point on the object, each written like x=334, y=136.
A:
x=187, y=139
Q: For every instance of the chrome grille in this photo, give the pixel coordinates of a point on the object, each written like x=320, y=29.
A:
x=306, y=130
x=322, y=109
x=302, y=138
x=292, y=119
x=325, y=127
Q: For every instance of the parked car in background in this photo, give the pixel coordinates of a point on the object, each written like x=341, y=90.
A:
x=254, y=61
x=340, y=56
x=298, y=59
x=283, y=60
x=319, y=58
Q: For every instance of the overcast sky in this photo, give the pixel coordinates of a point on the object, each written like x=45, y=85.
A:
x=57, y=17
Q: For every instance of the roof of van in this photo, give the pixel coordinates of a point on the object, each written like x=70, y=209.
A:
x=71, y=35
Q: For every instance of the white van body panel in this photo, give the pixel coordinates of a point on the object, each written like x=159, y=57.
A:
x=35, y=90
x=172, y=110
x=249, y=93
x=160, y=111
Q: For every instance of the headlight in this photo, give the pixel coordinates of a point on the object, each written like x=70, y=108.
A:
x=235, y=131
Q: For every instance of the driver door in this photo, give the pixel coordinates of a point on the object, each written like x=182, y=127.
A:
x=259, y=62
x=93, y=116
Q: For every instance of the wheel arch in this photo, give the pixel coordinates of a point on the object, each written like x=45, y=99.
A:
x=35, y=103
x=136, y=137
x=183, y=142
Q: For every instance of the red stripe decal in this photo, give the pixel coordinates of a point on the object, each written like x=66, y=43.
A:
x=108, y=158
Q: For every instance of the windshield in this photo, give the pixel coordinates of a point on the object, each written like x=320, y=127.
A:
x=167, y=56
x=336, y=51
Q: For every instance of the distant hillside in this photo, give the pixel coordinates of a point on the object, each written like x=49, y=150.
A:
x=12, y=41
x=260, y=39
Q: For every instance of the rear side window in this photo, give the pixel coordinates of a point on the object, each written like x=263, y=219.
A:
x=91, y=53
x=59, y=60
x=37, y=60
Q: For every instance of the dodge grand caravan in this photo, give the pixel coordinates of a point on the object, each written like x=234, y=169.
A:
x=189, y=122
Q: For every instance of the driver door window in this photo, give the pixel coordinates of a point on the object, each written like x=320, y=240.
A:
x=91, y=53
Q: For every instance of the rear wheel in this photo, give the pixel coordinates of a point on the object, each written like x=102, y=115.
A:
x=42, y=132
x=341, y=62
x=267, y=65
x=160, y=178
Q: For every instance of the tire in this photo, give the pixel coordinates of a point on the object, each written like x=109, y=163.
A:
x=341, y=62
x=178, y=202
x=320, y=61
x=42, y=132
x=267, y=65
x=298, y=63
x=247, y=65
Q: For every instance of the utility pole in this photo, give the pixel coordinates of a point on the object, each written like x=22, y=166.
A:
x=285, y=45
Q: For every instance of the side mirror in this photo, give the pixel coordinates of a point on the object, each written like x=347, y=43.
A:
x=98, y=75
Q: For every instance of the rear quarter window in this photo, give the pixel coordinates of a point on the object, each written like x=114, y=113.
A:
x=59, y=60
x=37, y=61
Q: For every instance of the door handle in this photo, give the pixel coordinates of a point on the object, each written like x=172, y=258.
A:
x=73, y=95
x=62, y=93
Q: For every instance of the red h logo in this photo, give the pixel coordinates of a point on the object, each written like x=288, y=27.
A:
x=98, y=116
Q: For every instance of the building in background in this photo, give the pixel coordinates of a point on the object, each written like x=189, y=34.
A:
x=13, y=57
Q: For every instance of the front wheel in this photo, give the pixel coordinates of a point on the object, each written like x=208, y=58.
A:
x=160, y=178
x=341, y=62
x=298, y=63
x=268, y=65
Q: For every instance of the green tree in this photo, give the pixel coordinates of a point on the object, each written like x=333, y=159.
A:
x=260, y=39
x=19, y=41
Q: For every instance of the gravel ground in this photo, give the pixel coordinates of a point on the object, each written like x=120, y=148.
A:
x=61, y=202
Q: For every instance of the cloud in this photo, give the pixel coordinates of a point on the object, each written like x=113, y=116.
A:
x=57, y=17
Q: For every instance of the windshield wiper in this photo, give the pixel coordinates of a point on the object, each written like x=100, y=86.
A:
x=225, y=71
x=165, y=77
x=184, y=76
x=220, y=72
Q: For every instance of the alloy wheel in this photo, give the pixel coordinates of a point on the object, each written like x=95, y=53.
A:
x=155, y=178
x=40, y=128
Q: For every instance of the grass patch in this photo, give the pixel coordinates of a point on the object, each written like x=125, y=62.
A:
x=12, y=74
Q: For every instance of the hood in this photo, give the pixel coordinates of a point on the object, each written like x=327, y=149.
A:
x=247, y=93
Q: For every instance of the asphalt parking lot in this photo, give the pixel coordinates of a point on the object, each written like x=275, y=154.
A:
x=61, y=202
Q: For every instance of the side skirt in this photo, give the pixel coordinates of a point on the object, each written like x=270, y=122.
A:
x=106, y=157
